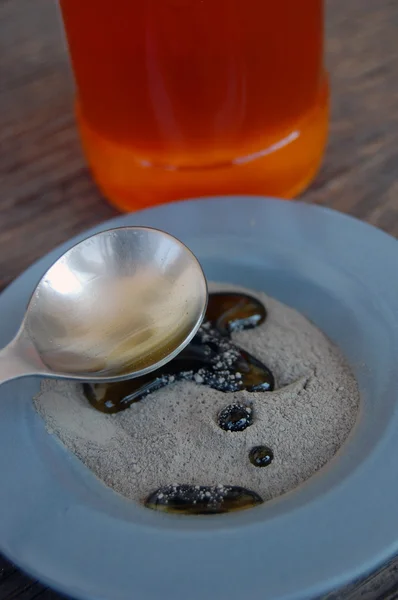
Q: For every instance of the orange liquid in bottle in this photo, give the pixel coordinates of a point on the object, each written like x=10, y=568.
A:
x=185, y=98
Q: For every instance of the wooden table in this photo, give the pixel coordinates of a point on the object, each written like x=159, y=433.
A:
x=47, y=194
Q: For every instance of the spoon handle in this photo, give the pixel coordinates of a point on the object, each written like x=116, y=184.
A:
x=12, y=365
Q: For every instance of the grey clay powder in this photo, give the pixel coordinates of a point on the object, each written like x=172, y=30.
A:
x=172, y=435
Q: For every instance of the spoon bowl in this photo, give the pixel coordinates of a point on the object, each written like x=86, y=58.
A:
x=117, y=305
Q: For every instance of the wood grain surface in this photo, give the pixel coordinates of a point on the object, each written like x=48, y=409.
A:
x=47, y=194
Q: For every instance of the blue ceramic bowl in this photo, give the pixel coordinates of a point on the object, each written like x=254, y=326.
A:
x=63, y=526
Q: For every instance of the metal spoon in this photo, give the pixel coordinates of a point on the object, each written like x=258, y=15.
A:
x=117, y=305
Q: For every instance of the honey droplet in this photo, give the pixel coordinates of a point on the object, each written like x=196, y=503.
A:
x=235, y=417
x=202, y=500
x=261, y=456
x=229, y=312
